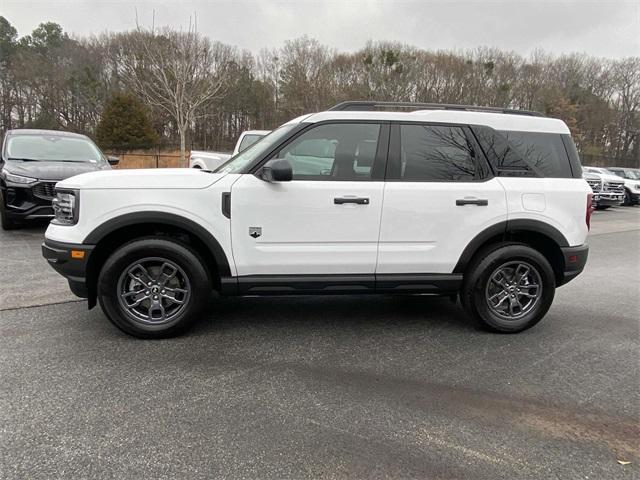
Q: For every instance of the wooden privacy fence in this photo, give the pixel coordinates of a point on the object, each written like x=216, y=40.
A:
x=150, y=159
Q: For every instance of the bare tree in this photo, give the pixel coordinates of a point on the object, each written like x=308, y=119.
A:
x=178, y=72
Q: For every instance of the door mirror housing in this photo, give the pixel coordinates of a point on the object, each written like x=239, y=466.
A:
x=276, y=170
x=113, y=160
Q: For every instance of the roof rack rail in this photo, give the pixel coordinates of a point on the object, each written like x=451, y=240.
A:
x=366, y=105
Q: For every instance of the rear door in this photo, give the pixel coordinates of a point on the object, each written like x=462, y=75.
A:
x=439, y=194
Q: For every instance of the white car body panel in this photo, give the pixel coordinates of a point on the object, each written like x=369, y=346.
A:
x=424, y=231
x=198, y=202
x=303, y=231
x=147, y=178
x=559, y=202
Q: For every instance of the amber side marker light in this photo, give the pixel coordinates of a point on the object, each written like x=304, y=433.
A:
x=77, y=254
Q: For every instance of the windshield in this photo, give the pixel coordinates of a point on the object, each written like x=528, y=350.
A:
x=52, y=148
x=241, y=160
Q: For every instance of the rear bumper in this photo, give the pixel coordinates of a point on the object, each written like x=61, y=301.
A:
x=69, y=260
x=575, y=258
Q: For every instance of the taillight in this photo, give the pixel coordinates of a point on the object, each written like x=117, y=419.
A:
x=589, y=209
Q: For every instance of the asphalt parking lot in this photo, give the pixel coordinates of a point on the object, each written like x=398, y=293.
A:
x=331, y=387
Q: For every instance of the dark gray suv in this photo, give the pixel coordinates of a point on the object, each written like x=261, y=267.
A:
x=32, y=162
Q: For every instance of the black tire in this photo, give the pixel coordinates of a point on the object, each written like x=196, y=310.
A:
x=602, y=207
x=478, y=287
x=115, y=283
x=5, y=221
x=628, y=201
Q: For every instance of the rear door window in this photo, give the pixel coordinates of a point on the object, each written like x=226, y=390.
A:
x=432, y=153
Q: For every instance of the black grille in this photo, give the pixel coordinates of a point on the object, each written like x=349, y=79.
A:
x=45, y=190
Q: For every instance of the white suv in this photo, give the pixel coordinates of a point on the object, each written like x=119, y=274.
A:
x=486, y=203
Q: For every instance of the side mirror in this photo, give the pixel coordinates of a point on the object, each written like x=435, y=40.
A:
x=113, y=160
x=276, y=170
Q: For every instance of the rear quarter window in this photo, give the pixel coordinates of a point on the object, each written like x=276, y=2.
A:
x=528, y=154
x=545, y=152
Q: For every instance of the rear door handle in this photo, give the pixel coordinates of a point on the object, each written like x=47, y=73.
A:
x=357, y=200
x=482, y=202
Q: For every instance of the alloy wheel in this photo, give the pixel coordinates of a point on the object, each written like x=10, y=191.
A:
x=513, y=289
x=153, y=290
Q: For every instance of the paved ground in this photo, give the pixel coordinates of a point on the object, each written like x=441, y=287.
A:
x=329, y=387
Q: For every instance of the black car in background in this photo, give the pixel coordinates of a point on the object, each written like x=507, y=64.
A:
x=32, y=162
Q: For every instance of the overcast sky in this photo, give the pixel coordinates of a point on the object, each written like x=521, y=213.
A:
x=603, y=28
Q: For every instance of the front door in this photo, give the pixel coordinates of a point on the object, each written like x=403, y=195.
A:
x=326, y=220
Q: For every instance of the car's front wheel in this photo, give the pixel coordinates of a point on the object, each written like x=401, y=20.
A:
x=153, y=288
x=508, y=288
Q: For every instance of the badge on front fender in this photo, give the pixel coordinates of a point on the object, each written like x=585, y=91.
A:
x=255, y=232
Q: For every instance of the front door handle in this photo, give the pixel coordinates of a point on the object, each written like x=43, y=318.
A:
x=357, y=200
x=482, y=202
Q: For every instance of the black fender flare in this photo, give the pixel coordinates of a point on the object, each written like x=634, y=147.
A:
x=503, y=229
x=165, y=218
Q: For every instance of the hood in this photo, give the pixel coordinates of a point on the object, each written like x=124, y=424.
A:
x=163, y=178
x=611, y=178
x=43, y=170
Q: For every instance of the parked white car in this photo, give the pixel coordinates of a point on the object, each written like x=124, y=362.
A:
x=482, y=203
x=212, y=160
x=631, y=177
x=608, y=189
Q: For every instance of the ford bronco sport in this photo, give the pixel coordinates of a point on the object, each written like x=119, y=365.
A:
x=488, y=204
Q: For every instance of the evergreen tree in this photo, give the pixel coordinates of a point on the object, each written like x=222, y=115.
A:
x=125, y=125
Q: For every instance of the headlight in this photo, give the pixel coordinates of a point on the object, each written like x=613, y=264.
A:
x=637, y=186
x=65, y=207
x=13, y=178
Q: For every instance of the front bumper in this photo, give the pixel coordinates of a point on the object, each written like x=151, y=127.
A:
x=69, y=260
x=28, y=202
x=575, y=258
x=608, y=199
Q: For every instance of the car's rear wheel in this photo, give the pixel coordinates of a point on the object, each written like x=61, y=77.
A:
x=508, y=288
x=5, y=221
x=153, y=288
